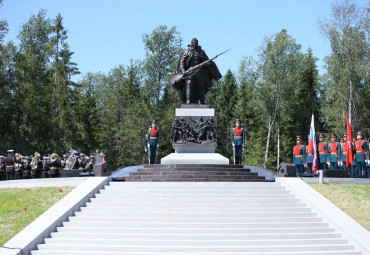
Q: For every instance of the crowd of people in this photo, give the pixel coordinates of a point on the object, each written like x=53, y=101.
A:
x=334, y=155
x=16, y=166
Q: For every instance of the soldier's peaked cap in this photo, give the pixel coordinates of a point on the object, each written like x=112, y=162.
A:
x=299, y=137
x=10, y=151
x=322, y=135
x=333, y=135
x=360, y=133
x=154, y=121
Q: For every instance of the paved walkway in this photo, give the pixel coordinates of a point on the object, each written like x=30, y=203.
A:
x=46, y=182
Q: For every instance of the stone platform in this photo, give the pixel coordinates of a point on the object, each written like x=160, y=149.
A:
x=194, y=173
x=195, y=158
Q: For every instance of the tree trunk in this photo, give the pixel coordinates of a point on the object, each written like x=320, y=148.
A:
x=268, y=142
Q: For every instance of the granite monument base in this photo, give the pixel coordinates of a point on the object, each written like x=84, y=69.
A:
x=195, y=153
x=195, y=158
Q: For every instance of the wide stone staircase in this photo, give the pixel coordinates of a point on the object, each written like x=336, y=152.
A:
x=195, y=218
x=194, y=173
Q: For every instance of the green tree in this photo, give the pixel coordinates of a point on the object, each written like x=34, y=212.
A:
x=226, y=113
x=280, y=60
x=33, y=77
x=246, y=109
x=348, y=64
x=64, y=89
x=125, y=116
x=162, y=50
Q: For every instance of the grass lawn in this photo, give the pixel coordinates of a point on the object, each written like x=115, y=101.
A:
x=353, y=199
x=20, y=206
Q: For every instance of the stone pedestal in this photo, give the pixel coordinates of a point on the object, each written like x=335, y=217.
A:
x=195, y=152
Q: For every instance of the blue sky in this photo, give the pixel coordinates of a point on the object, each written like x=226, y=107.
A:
x=104, y=34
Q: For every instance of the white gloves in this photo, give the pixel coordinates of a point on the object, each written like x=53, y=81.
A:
x=328, y=163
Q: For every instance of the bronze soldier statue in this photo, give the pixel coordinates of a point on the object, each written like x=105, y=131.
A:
x=195, y=74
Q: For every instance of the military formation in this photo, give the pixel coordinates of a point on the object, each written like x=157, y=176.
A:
x=15, y=166
x=333, y=155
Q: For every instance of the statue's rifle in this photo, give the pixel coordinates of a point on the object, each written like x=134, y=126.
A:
x=193, y=70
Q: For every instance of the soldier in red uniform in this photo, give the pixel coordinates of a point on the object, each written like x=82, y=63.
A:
x=362, y=154
x=323, y=153
x=237, y=142
x=153, y=140
x=334, y=149
x=299, y=156
x=343, y=156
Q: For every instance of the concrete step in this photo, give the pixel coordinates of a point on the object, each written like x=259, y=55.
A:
x=193, y=180
x=193, y=201
x=105, y=195
x=205, y=242
x=110, y=218
x=192, y=166
x=198, y=186
x=194, y=249
x=195, y=218
x=54, y=252
x=47, y=252
x=193, y=236
x=214, y=210
x=194, y=169
x=191, y=173
x=296, y=229
x=195, y=226
x=262, y=214
x=183, y=178
x=123, y=205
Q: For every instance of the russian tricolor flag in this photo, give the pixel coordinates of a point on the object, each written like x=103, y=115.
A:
x=312, y=148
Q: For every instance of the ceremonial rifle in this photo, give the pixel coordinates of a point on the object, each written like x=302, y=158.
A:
x=192, y=71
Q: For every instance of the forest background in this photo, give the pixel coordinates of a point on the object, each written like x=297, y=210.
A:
x=274, y=93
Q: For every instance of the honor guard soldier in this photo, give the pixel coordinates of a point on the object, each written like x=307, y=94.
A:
x=355, y=173
x=368, y=161
x=54, y=166
x=237, y=142
x=344, y=147
x=335, y=152
x=323, y=153
x=309, y=158
x=9, y=164
x=362, y=154
x=36, y=166
x=153, y=140
x=27, y=168
x=2, y=168
x=299, y=156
